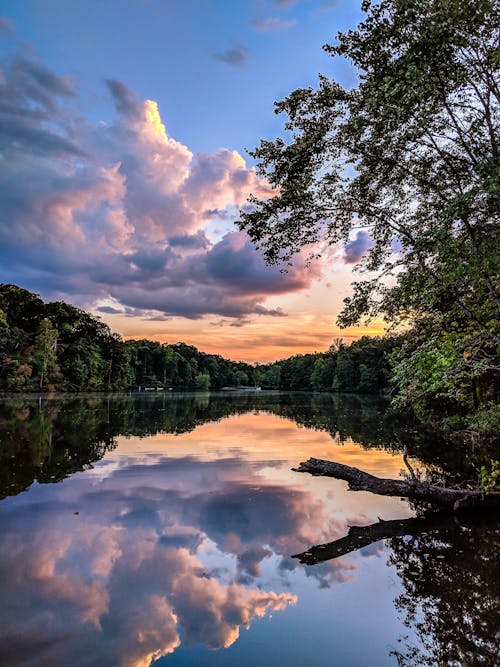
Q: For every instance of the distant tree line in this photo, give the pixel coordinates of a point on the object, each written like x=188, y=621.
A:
x=362, y=368
x=55, y=346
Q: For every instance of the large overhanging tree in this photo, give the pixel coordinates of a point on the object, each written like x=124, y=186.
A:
x=410, y=154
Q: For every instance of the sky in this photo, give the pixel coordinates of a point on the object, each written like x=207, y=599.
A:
x=124, y=131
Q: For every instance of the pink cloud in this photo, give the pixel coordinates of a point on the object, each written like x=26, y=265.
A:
x=121, y=210
x=118, y=590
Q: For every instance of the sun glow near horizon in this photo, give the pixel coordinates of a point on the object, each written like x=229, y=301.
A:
x=256, y=342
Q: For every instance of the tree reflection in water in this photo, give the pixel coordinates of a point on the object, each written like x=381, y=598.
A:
x=47, y=439
x=147, y=537
x=452, y=592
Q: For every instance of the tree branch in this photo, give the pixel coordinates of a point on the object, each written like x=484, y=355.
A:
x=359, y=480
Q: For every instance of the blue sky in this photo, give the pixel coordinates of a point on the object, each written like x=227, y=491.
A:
x=123, y=165
x=214, y=67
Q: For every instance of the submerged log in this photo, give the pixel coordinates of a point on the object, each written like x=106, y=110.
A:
x=362, y=536
x=358, y=480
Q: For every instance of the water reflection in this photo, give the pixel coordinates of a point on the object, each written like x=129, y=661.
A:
x=451, y=588
x=174, y=526
x=48, y=439
x=451, y=593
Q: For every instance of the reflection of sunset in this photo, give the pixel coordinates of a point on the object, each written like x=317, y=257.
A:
x=275, y=445
x=260, y=435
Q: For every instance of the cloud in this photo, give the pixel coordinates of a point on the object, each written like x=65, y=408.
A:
x=273, y=24
x=328, y=5
x=375, y=549
x=125, y=100
x=355, y=249
x=122, y=211
x=236, y=56
x=234, y=261
x=193, y=241
x=30, y=98
x=230, y=279
x=109, y=310
x=214, y=180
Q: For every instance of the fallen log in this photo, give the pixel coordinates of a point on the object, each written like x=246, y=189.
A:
x=362, y=536
x=358, y=480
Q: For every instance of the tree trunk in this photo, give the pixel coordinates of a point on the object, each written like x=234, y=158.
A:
x=358, y=480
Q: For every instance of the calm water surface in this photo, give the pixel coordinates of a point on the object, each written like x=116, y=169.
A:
x=161, y=529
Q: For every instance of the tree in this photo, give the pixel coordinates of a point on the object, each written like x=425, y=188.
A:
x=449, y=597
x=21, y=306
x=271, y=377
x=409, y=156
x=116, y=362
x=4, y=332
x=317, y=375
x=202, y=381
x=240, y=378
x=169, y=365
x=45, y=350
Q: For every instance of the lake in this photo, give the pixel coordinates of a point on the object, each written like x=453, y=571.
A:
x=162, y=529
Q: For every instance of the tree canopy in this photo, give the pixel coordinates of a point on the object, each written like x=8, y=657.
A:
x=410, y=156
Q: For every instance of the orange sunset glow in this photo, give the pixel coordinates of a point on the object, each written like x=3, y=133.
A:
x=257, y=342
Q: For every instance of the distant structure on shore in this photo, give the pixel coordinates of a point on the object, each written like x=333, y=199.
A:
x=242, y=388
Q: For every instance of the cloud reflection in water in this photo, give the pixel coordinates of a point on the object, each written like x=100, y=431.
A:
x=125, y=562
x=122, y=580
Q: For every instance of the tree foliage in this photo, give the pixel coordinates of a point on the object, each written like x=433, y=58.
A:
x=364, y=367
x=409, y=154
x=450, y=596
x=44, y=355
